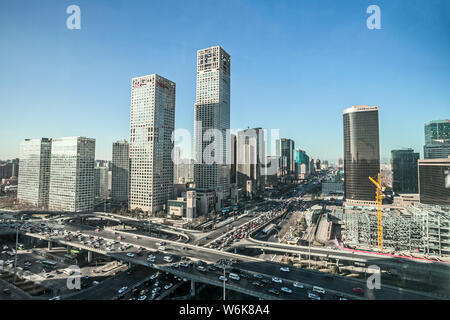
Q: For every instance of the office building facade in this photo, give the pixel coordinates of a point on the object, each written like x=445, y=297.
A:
x=72, y=174
x=212, y=120
x=437, y=139
x=434, y=181
x=120, y=171
x=361, y=153
x=404, y=171
x=250, y=149
x=152, y=122
x=287, y=166
x=34, y=179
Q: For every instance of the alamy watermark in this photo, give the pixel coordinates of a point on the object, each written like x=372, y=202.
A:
x=374, y=280
x=74, y=20
x=374, y=20
x=74, y=279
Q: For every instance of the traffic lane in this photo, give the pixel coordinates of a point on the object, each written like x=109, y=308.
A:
x=337, y=284
x=297, y=293
x=108, y=289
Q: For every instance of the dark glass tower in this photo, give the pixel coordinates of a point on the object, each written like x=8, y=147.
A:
x=404, y=171
x=361, y=153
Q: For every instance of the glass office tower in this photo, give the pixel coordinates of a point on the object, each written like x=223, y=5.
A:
x=361, y=153
x=404, y=171
x=212, y=114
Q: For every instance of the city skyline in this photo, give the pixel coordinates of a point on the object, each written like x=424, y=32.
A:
x=308, y=88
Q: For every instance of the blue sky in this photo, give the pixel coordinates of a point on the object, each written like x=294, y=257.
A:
x=295, y=66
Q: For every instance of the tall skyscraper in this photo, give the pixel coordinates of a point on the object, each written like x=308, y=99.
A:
x=34, y=179
x=72, y=174
x=152, y=122
x=101, y=183
x=361, y=153
x=404, y=171
x=434, y=181
x=287, y=166
x=212, y=112
x=120, y=171
x=302, y=159
x=437, y=139
x=250, y=157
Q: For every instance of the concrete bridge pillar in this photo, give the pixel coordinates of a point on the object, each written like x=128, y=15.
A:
x=50, y=245
x=89, y=257
x=68, y=249
x=192, y=288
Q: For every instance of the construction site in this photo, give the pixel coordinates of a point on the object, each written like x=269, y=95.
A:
x=415, y=230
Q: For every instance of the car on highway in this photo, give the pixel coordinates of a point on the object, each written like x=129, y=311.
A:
x=277, y=280
x=154, y=276
x=122, y=290
x=358, y=290
x=222, y=278
x=257, y=283
x=318, y=290
x=175, y=265
x=184, y=264
x=129, y=254
x=257, y=276
x=234, y=276
x=286, y=289
x=284, y=269
x=313, y=296
x=142, y=298
x=201, y=268
x=168, y=286
x=298, y=285
x=156, y=290
x=168, y=259
x=273, y=291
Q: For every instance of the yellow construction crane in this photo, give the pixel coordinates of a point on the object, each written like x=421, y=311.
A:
x=380, y=190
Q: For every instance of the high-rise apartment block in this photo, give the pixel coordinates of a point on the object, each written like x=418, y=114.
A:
x=120, y=171
x=212, y=119
x=152, y=122
x=34, y=179
x=361, y=153
x=72, y=174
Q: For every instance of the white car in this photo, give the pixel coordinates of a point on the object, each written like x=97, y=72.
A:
x=130, y=254
x=168, y=286
x=277, y=280
x=313, y=296
x=298, y=285
x=122, y=290
x=286, y=289
x=142, y=298
x=285, y=269
x=222, y=278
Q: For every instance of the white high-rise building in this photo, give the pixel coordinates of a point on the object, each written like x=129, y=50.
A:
x=120, y=171
x=152, y=122
x=72, y=174
x=212, y=111
x=34, y=178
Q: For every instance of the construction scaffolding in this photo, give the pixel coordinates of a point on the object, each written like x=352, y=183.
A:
x=416, y=229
